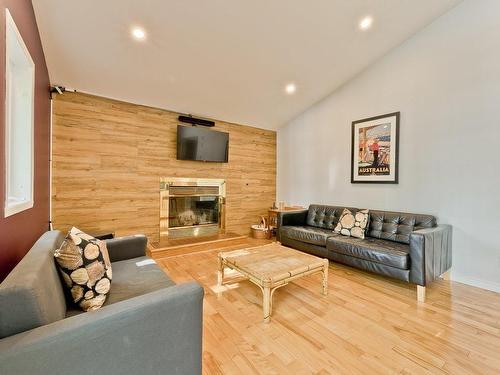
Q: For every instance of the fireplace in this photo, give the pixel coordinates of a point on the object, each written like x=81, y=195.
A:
x=191, y=207
x=193, y=210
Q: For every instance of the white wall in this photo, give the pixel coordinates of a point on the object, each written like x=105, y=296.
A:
x=446, y=82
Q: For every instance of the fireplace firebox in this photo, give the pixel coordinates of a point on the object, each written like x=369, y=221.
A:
x=191, y=207
x=189, y=211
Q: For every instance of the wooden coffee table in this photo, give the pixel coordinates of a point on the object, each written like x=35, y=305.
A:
x=271, y=267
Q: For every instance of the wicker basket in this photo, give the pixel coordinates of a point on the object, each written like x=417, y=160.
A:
x=260, y=233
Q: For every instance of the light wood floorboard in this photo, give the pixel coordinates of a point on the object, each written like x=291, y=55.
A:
x=366, y=325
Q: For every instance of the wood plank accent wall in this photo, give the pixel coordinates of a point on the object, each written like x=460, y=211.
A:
x=108, y=157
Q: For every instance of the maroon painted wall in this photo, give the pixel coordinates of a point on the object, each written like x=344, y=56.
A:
x=19, y=232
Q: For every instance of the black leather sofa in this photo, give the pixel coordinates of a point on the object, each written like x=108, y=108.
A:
x=405, y=246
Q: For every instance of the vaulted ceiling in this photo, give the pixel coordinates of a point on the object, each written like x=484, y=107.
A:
x=228, y=60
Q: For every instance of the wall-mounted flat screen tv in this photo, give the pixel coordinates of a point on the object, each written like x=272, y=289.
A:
x=196, y=143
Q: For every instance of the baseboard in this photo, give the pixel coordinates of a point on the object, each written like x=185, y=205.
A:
x=483, y=284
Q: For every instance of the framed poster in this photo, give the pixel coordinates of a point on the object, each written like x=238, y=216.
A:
x=375, y=149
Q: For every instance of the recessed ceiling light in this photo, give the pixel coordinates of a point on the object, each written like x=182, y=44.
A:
x=290, y=88
x=138, y=33
x=366, y=23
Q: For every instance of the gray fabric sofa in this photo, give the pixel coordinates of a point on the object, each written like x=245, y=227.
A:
x=405, y=246
x=148, y=324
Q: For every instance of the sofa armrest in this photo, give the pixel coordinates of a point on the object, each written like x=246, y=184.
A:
x=430, y=253
x=156, y=333
x=122, y=248
x=290, y=218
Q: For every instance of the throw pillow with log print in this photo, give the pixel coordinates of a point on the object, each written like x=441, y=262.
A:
x=85, y=268
x=353, y=225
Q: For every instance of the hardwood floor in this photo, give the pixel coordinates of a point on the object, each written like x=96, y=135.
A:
x=366, y=325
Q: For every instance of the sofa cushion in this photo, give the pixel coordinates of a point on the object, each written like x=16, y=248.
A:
x=370, y=266
x=327, y=217
x=132, y=278
x=397, y=226
x=312, y=235
x=85, y=267
x=135, y=277
x=319, y=251
x=32, y=295
x=372, y=249
x=353, y=224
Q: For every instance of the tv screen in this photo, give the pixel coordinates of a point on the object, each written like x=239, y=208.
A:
x=194, y=143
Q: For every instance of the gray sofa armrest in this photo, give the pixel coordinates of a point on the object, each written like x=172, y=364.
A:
x=122, y=248
x=156, y=333
x=290, y=218
x=430, y=253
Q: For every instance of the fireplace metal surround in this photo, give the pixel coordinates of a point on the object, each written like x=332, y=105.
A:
x=191, y=207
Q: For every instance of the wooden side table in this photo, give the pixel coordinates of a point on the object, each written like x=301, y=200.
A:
x=272, y=215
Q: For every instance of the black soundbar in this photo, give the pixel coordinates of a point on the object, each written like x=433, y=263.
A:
x=196, y=121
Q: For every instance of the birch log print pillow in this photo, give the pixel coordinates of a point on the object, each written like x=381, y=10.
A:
x=353, y=225
x=84, y=264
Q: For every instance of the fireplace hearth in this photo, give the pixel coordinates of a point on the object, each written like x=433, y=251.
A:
x=191, y=207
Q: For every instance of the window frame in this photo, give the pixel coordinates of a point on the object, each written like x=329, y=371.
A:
x=13, y=207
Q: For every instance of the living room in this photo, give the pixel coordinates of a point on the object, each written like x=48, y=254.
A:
x=254, y=187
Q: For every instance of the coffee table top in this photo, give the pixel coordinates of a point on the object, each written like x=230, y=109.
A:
x=272, y=263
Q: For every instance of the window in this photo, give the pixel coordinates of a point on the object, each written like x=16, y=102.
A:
x=19, y=121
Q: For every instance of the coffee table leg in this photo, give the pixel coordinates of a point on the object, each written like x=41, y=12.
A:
x=325, y=278
x=220, y=271
x=266, y=304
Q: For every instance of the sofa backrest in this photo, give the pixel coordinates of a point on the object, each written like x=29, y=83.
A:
x=397, y=226
x=386, y=225
x=32, y=294
x=322, y=216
